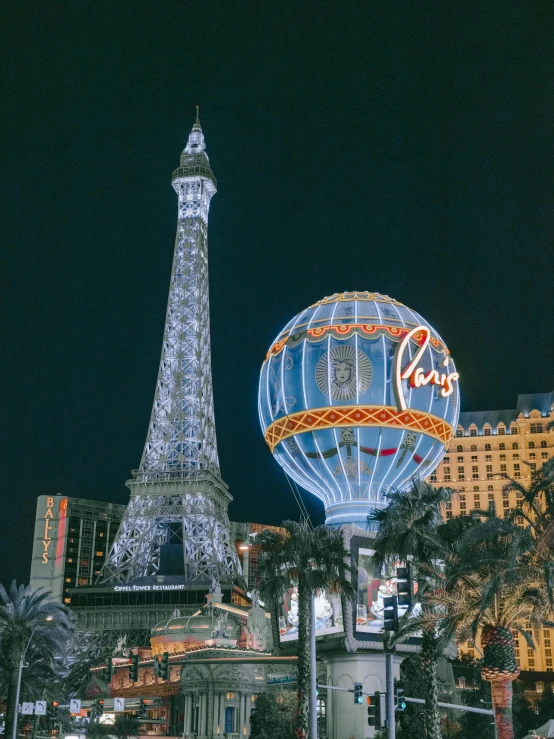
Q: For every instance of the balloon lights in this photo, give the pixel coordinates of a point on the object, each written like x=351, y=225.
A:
x=358, y=394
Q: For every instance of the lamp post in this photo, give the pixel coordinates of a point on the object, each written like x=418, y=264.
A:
x=20, y=670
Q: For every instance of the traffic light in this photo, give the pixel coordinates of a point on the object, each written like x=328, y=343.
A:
x=156, y=665
x=98, y=706
x=404, y=587
x=358, y=697
x=399, y=700
x=163, y=667
x=390, y=613
x=133, y=668
x=54, y=709
x=108, y=670
x=142, y=707
x=374, y=709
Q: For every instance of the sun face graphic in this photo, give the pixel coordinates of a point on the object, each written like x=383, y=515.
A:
x=343, y=372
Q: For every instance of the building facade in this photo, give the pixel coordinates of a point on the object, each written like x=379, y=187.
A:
x=71, y=541
x=489, y=445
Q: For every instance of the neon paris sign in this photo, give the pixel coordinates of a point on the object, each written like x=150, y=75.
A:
x=417, y=375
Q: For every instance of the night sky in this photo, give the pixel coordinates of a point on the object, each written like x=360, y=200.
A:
x=399, y=147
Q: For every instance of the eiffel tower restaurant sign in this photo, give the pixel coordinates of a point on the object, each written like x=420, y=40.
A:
x=358, y=395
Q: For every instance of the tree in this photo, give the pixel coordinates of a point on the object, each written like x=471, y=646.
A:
x=493, y=585
x=545, y=707
x=29, y=619
x=475, y=725
x=310, y=560
x=525, y=717
x=274, y=715
x=125, y=727
x=411, y=722
x=409, y=528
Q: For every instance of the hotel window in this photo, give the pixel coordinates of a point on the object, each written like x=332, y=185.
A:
x=488, y=457
x=503, y=468
x=477, y=500
x=83, y=581
x=433, y=478
x=446, y=460
x=515, y=445
x=487, y=431
x=543, y=444
x=505, y=494
x=448, y=514
x=536, y=428
x=515, y=456
x=473, y=448
x=502, y=457
x=544, y=455
x=490, y=496
x=517, y=473
x=490, y=488
x=502, y=446
x=501, y=430
x=70, y=559
x=513, y=429
x=460, y=459
x=99, y=554
x=461, y=473
x=474, y=472
x=101, y=533
x=459, y=448
x=447, y=470
x=533, y=466
x=473, y=432
x=531, y=445
x=547, y=652
x=507, y=513
x=519, y=520
x=474, y=458
x=67, y=600
x=459, y=432
x=449, y=504
x=505, y=504
x=489, y=472
x=68, y=579
x=532, y=455
x=447, y=477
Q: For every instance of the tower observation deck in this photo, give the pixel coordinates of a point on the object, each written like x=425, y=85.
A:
x=176, y=522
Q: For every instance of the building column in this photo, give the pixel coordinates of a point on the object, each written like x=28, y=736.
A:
x=215, y=714
x=209, y=731
x=242, y=705
x=188, y=713
x=221, y=713
x=201, y=716
x=248, y=713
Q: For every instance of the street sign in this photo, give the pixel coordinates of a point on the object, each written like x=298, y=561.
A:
x=40, y=708
x=27, y=709
x=118, y=705
x=75, y=705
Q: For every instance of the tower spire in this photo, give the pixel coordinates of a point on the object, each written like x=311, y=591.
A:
x=178, y=500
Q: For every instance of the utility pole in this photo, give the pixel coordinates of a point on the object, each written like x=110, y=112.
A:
x=391, y=719
x=313, y=673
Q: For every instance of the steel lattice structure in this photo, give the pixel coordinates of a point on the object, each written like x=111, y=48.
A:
x=177, y=494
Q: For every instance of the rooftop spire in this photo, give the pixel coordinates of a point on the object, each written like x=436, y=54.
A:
x=196, y=143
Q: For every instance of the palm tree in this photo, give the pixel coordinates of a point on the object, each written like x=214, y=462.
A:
x=495, y=585
x=409, y=528
x=29, y=621
x=310, y=560
x=126, y=727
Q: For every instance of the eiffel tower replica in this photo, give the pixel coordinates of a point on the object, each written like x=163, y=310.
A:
x=176, y=521
x=175, y=533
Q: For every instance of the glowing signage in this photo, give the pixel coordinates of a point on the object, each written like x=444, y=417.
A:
x=47, y=539
x=417, y=375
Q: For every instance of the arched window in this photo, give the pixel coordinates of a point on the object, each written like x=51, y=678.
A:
x=531, y=445
x=473, y=431
x=515, y=445
x=474, y=447
x=487, y=447
x=502, y=446
x=476, y=488
x=487, y=431
x=459, y=448
x=321, y=717
x=513, y=429
x=543, y=444
x=490, y=488
x=459, y=432
x=501, y=429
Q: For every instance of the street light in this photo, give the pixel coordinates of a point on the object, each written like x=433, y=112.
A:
x=20, y=670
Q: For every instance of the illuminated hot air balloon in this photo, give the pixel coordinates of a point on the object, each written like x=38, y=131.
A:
x=358, y=394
